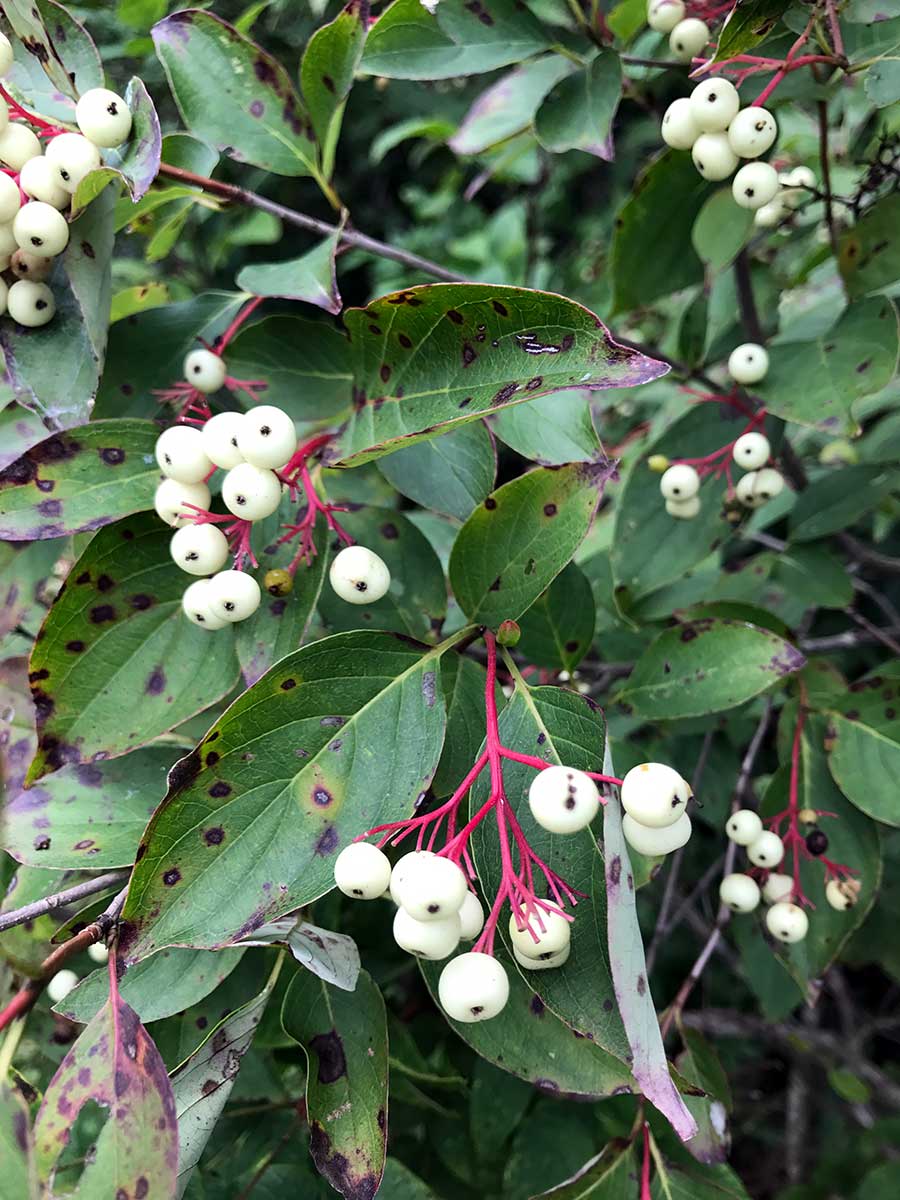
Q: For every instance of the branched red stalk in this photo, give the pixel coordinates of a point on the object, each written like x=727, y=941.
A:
x=45, y=128
x=236, y=530
x=718, y=463
x=295, y=475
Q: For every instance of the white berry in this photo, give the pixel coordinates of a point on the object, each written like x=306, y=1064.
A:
x=777, y=887
x=220, y=439
x=787, y=922
x=402, y=866
x=17, y=145
x=684, y=510
x=751, y=451
x=39, y=179
x=267, y=437
x=426, y=939
x=679, y=128
x=98, y=952
x=766, y=850
x=103, y=117
x=739, y=892
x=654, y=794
x=743, y=827
x=758, y=487
x=797, y=182
x=10, y=198
x=362, y=871
x=713, y=156
x=680, y=482
x=195, y=605
x=754, y=185
x=73, y=157
x=180, y=454
x=359, y=576
x=6, y=54
x=205, y=371
x=771, y=214
x=199, y=549
x=664, y=15
x=251, y=492
x=431, y=888
x=31, y=304
x=60, y=985
x=235, y=596
x=563, y=800
x=688, y=38
x=752, y=132
x=748, y=363
x=171, y=496
x=842, y=893
x=41, y=229
x=471, y=917
x=473, y=987
x=546, y=963
x=4, y=295
x=654, y=841
x=715, y=103
x=532, y=941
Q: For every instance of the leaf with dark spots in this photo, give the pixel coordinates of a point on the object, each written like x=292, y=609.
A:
x=126, y=1075
x=328, y=67
x=344, y=1036
x=541, y=339
x=16, y=1145
x=331, y=957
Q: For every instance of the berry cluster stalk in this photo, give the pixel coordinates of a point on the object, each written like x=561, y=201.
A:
x=296, y=476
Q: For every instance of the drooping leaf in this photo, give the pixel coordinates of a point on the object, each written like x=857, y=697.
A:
x=551, y=430
x=558, y=629
x=459, y=38
x=747, y=25
x=266, y=797
x=117, y=663
x=449, y=474
x=55, y=370
x=707, y=666
x=115, y=1064
x=817, y=382
x=445, y=353
x=136, y=163
x=16, y=1145
x=577, y=114
x=55, y=59
x=344, y=1037
x=311, y=277
x=629, y=972
x=326, y=72
x=233, y=94
x=508, y=106
x=89, y=816
x=838, y=500
x=721, y=230
x=331, y=957
x=863, y=743
x=521, y=537
x=78, y=481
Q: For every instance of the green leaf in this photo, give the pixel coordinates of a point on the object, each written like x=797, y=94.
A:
x=869, y=253
x=161, y=986
x=26, y=946
x=233, y=94
x=461, y=38
x=332, y=957
x=311, y=277
x=707, y=666
x=416, y=602
x=608, y=1176
x=326, y=72
x=508, y=106
x=135, y=165
x=202, y=1084
x=114, y=1064
x=696, y=1182
x=78, y=481
x=463, y=682
x=882, y=81
x=449, y=474
x=666, y=198
x=863, y=743
x=89, y=816
x=55, y=370
x=838, y=500
x=29, y=567
x=55, y=59
x=551, y=430
x=266, y=797
x=442, y=354
x=344, y=1037
x=559, y=726
x=521, y=537
x=721, y=230
x=747, y=25
x=117, y=663
x=816, y=382
x=16, y=1145
x=577, y=114
x=558, y=629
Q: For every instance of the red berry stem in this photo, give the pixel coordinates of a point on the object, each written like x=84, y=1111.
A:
x=295, y=475
x=246, y=312
x=718, y=463
x=646, y=1193
x=46, y=128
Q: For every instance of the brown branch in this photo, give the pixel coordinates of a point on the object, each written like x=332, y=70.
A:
x=746, y=302
x=49, y=904
x=822, y=106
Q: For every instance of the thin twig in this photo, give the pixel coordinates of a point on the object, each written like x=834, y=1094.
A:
x=841, y=641
x=879, y=634
x=822, y=107
x=72, y=895
x=746, y=302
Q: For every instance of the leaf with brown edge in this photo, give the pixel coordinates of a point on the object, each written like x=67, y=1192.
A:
x=115, y=1064
x=431, y=358
x=344, y=1036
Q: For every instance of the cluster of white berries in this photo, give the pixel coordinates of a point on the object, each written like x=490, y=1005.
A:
x=654, y=797
x=687, y=35
x=65, y=980
x=36, y=187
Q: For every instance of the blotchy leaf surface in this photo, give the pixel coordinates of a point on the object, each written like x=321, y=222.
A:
x=344, y=1036
x=136, y=163
x=117, y=663
x=78, y=481
x=291, y=772
x=441, y=354
x=331, y=957
x=329, y=63
x=16, y=1146
x=55, y=59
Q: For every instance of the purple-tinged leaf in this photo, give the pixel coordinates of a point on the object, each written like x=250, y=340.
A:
x=55, y=59
x=136, y=162
x=332, y=957
x=508, y=106
x=16, y=1146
